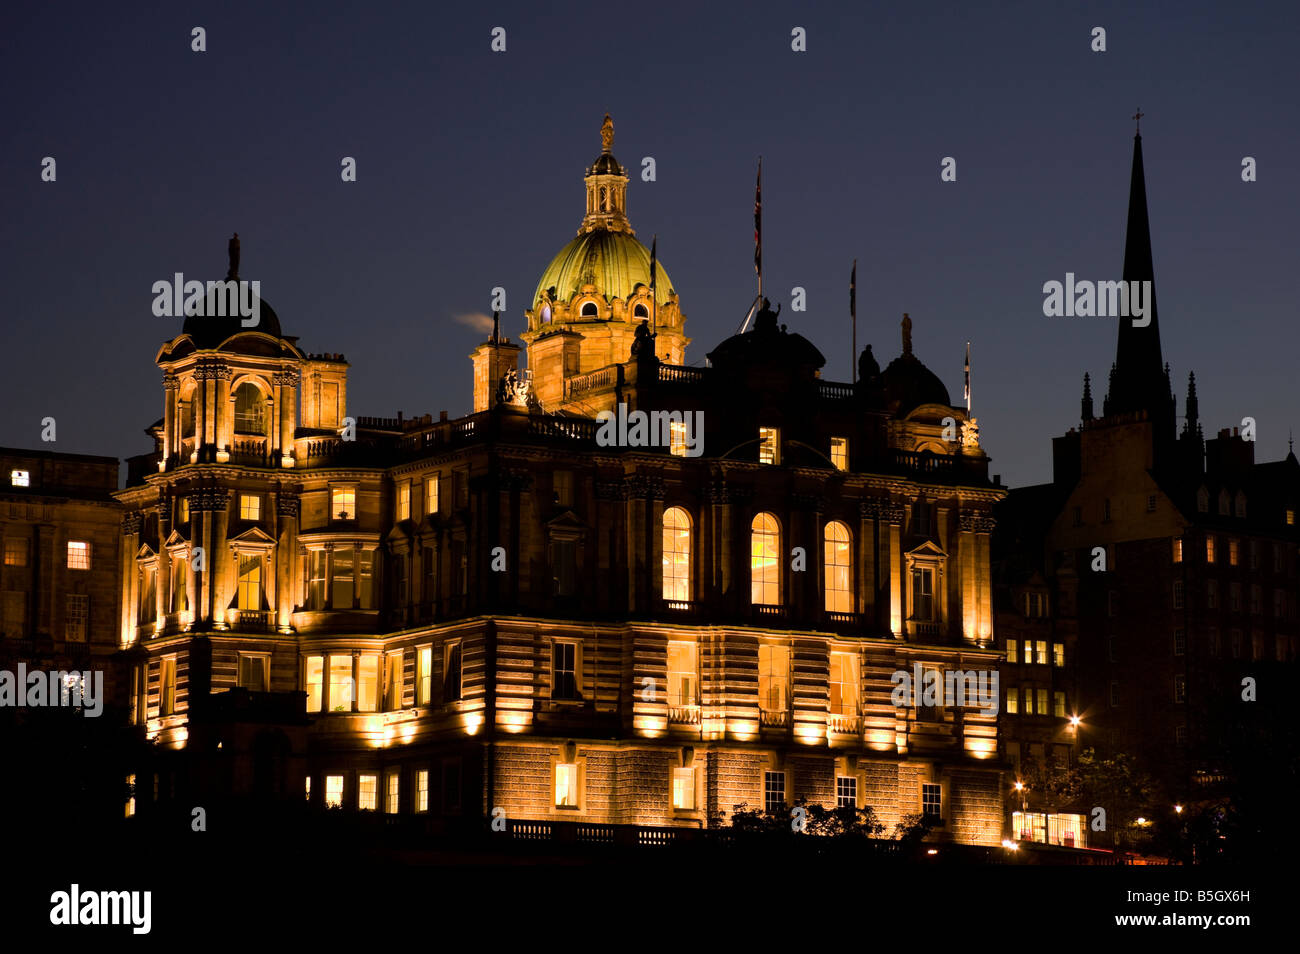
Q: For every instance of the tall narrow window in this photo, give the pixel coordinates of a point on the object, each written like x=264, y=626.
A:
x=769, y=445
x=423, y=675
x=76, y=611
x=1013, y=651
x=422, y=790
x=431, y=494
x=1209, y=549
x=341, y=597
x=684, y=789
x=923, y=593
x=365, y=578
x=167, y=686
x=562, y=487
x=403, y=500
x=844, y=684
x=368, y=682
x=773, y=678
x=840, y=453
x=677, y=438
x=250, y=581
x=1178, y=550
x=566, y=785
x=334, y=791
x=846, y=791
x=682, y=680
x=180, y=588
x=393, y=681
x=250, y=410
x=315, y=681
x=340, y=687
x=391, y=790
x=773, y=791
x=367, y=789
x=451, y=671
x=931, y=800
x=765, y=560
x=316, y=579
x=677, y=555
x=839, y=568
x=564, y=670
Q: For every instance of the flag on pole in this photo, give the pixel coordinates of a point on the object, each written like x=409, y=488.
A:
x=853, y=314
x=654, y=242
x=758, y=221
x=968, y=377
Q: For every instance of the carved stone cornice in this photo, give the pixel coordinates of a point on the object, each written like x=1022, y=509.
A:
x=212, y=370
x=717, y=493
x=645, y=485
x=611, y=490
x=286, y=505
x=872, y=508
x=287, y=378
x=210, y=500
x=130, y=523
x=975, y=522
x=894, y=513
x=171, y=382
x=808, y=502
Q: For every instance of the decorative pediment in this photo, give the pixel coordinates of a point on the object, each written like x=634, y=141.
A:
x=176, y=540
x=928, y=550
x=567, y=522
x=145, y=552
x=254, y=538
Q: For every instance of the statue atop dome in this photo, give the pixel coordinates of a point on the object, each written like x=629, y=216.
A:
x=607, y=134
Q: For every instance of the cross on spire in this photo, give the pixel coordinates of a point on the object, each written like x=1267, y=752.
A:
x=1137, y=118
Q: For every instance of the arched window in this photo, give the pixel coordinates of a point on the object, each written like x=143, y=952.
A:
x=589, y=309
x=765, y=560
x=250, y=410
x=677, y=554
x=604, y=199
x=640, y=311
x=838, y=568
x=188, y=397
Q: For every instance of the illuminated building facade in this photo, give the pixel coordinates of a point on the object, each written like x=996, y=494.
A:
x=508, y=611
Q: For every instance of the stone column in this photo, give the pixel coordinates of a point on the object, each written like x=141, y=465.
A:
x=171, y=419
x=895, y=561
x=286, y=509
x=717, y=558
x=868, y=574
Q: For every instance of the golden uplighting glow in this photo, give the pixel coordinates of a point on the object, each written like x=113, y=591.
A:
x=1010, y=845
x=650, y=726
x=1178, y=809
x=982, y=748
x=512, y=721
x=933, y=851
x=473, y=722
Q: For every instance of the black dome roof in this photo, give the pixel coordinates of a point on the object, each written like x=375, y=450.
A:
x=220, y=318
x=909, y=384
x=766, y=343
x=605, y=165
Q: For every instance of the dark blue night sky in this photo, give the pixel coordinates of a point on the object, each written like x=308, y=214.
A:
x=470, y=176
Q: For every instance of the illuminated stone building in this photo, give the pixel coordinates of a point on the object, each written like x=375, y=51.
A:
x=1163, y=566
x=505, y=611
x=59, y=579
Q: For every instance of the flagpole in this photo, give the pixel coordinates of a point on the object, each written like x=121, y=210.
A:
x=968, y=379
x=853, y=312
x=758, y=229
x=654, y=305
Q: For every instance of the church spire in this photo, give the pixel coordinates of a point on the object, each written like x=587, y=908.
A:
x=1138, y=382
x=1193, y=424
x=1085, y=406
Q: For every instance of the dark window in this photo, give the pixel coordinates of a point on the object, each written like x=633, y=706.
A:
x=451, y=679
x=564, y=675
x=566, y=567
x=773, y=791
x=931, y=801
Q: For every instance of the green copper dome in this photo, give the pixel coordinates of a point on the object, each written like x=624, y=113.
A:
x=615, y=262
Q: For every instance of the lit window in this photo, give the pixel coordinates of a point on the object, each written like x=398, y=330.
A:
x=1178, y=551
x=250, y=507
x=765, y=560
x=1028, y=694
x=1058, y=705
x=566, y=785
x=403, y=501
x=773, y=677
x=254, y=672
x=391, y=791
x=15, y=551
x=1042, y=702
x=1233, y=552
x=367, y=790
x=677, y=438
x=677, y=555
x=78, y=555
x=424, y=675
x=343, y=503
x=682, y=680
x=250, y=581
x=769, y=446
x=315, y=680
x=564, y=670
x=422, y=790
x=167, y=686
x=846, y=791
x=1058, y=654
x=183, y=510
x=309, y=788
x=840, y=453
x=1180, y=688
x=839, y=567
x=368, y=682
x=773, y=791
x=1013, y=701
x=76, y=613
x=431, y=494
x=1035, y=605
x=684, y=789
x=20, y=478
x=1040, y=652
x=1013, y=651
x=451, y=671
x=334, y=791
x=844, y=684
x=130, y=802
x=1209, y=549
x=931, y=800
x=1290, y=518
x=340, y=685
x=250, y=410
